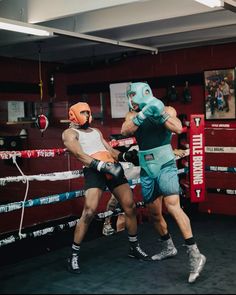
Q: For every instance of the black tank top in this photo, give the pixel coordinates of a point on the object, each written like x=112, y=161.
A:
x=152, y=134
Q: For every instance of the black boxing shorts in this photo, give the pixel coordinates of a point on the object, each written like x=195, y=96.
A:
x=96, y=179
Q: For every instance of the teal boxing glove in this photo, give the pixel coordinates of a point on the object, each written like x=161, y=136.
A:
x=155, y=108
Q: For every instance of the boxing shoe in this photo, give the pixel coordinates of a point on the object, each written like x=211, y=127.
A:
x=108, y=230
x=73, y=264
x=136, y=252
x=196, y=262
x=168, y=250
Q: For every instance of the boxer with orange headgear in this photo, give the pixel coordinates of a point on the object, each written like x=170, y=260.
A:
x=101, y=171
x=80, y=114
x=77, y=114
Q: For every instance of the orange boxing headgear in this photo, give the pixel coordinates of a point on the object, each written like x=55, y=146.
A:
x=75, y=115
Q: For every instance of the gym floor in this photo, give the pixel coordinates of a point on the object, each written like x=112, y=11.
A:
x=38, y=266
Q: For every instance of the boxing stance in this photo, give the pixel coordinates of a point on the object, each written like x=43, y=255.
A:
x=101, y=170
x=140, y=98
x=159, y=174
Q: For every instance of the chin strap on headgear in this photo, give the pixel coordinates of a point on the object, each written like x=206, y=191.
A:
x=139, y=93
x=75, y=115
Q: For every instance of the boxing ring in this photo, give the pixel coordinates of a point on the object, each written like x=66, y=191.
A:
x=192, y=165
x=125, y=271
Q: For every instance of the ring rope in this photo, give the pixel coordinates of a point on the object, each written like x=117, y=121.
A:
x=131, y=140
x=225, y=126
x=225, y=191
x=48, y=230
x=51, y=199
x=220, y=149
x=221, y=126
x=44, y=153
x=220, y=169
x=59, y=197
x=54, y=176
x=222, y=191
x=66, y=175
x=37, y=233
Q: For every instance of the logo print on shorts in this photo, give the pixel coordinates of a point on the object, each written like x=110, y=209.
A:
x=149, y=157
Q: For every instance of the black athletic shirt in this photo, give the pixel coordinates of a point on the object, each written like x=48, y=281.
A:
x=151, y=134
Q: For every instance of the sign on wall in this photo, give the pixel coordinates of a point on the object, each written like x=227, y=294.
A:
x=119, y=101
x=16, y=110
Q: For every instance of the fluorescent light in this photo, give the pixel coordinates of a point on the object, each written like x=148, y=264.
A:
x=23, y=29
x=211, y=3
x=17, y=26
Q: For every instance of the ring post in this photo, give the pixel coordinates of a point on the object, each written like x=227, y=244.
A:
x=197, y=158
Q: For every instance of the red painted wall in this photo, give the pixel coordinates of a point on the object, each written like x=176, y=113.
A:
x=168, y=66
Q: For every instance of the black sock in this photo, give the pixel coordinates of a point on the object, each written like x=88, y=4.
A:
x=165, y=237
x=190, y=241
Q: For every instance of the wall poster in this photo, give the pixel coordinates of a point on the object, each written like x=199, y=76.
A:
x=219, y=94
x=119, y=101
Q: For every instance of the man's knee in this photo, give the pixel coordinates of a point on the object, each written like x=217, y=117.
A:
x=129, y=208
x=88, y=215
x=172, y=203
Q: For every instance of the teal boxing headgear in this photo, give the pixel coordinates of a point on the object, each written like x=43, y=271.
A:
x=139, y=93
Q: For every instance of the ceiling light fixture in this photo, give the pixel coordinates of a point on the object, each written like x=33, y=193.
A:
x=211, y=3
x=16, y=26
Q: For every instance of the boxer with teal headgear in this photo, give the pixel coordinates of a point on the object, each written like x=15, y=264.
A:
x=140, y=94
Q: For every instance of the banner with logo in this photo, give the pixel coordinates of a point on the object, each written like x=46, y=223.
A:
x=197, y=158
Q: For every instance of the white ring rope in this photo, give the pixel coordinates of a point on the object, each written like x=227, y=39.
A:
x=220, y=149
x=66, y=175
x=25, y=180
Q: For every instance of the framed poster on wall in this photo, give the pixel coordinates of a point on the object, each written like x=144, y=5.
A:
x=16, y=109
x=220, y=94
x=119, y=101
